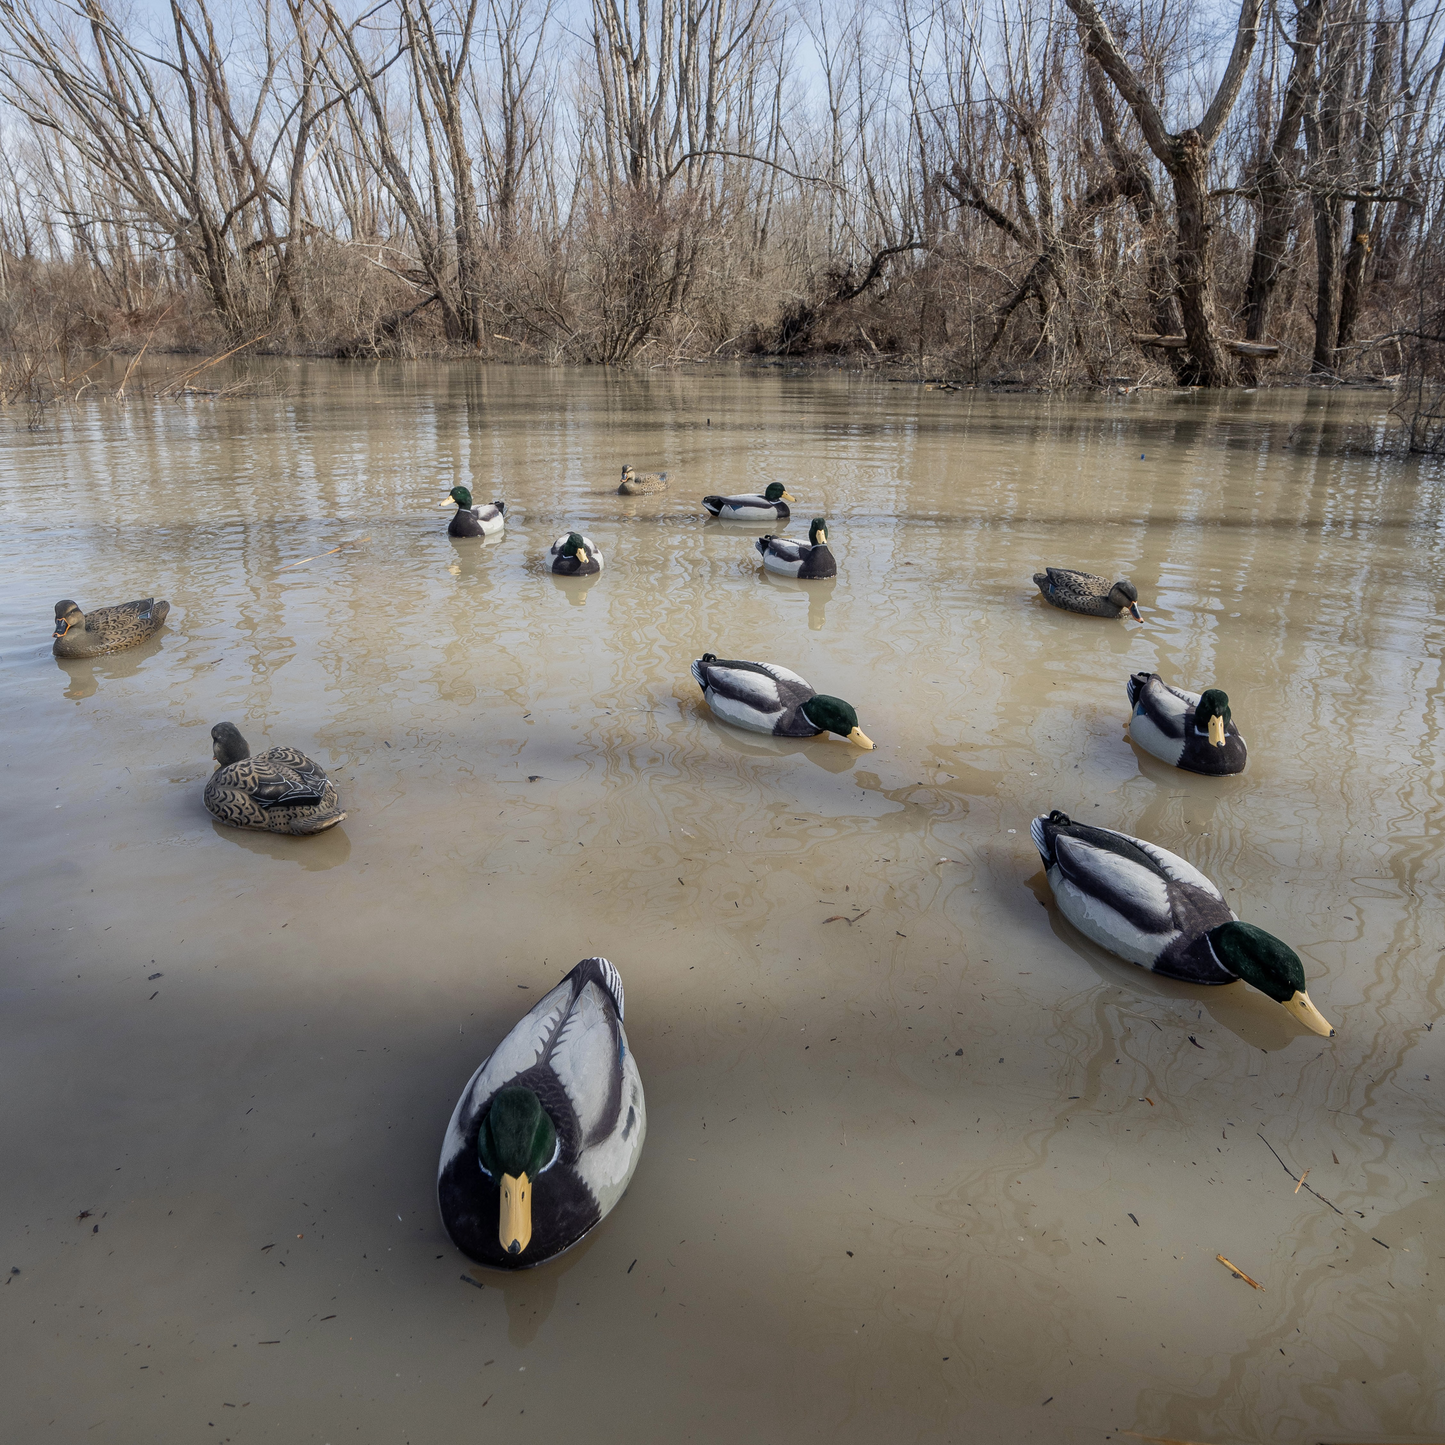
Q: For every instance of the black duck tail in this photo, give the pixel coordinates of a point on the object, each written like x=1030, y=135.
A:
x=1136, y=685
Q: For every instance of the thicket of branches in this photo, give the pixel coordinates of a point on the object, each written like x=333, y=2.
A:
x=985, y=189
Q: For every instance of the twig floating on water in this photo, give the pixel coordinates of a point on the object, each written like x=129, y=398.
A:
x=356, y=542
x=1292, y=1175
x=1234, y=1268
x=1301, y=1181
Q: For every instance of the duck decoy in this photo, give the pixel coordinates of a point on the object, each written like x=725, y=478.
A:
x=278, y=791
x=1148, y=906
x=807, y=561
x=636, y=484
x=481, y=520
x=546, y=1136
x=765, y=698
x=1189, y=730
x=1086, y=593
x=574, y=555
x=107, y=629
x=768, y=506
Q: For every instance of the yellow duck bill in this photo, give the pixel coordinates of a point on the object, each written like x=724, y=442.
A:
x=859, y=739
x=1301, y=1007
x=1216, y=730
x=515, y=1226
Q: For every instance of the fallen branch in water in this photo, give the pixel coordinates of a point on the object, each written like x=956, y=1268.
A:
x=1300, y=1178
x=1239, y=1272
x=356, y=542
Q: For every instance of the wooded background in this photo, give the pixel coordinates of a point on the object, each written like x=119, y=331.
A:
x=989, y=190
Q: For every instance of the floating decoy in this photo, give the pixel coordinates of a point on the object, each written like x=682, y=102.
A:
x=807, y=561
x=278, y=791
x=635, y=483
x=768, y=506
x=1086, y=593
x=765, y=698
x=481, y=520
x=545, y=1137
x=107, y=629
x=1150, y=907
x=575, y=556
x=1190, y=730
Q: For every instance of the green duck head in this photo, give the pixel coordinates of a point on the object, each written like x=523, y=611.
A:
x=227, y=744
x=576, y=546
x=776, y=492
x=1274, y=968
x=1212, y=714
x=67, y=616
x=818, y=533
x=516, y=1142
x=1125, y=596
x=461, y=497
x=832, y=714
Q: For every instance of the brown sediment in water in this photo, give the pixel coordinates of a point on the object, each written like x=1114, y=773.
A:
x=902, y=1171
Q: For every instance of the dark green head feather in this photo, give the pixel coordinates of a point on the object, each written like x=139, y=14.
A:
x=461, y=497
x=573, y=542
x=227, y=744
x=516, y=1137
x=831, y=714
x=1212, y=703
x=819, y=525
x=774, y=492
x=1259, y=958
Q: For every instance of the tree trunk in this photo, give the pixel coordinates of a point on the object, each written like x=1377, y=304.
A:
x=1193, y=264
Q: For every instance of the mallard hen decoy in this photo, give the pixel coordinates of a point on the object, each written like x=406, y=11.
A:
x=768, y=506
x=575, y=556
x=1190, y=730
x=278, y=791
x=807, y=561
x=1152, y=908
x=107, y=629
x=545, y=1137
x=481, y=520
x=765, y=698
x=635, y=483
x=1086, y=593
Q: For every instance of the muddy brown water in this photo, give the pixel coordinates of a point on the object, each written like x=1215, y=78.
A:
x=936, y=1169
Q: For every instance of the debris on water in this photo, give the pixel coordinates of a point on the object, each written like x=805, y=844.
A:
x=1136, y=1222
x=154, y=977
x=1380, y=1242
x=1302, y=1179
x=1235, y=1270
x=632, y=1266
x=1195, y=1042
x=84, y=1214
x=475, y=1283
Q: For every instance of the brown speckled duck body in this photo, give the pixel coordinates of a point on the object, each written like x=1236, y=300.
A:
x=107, y=629
x=636, y=484
x=278, y=791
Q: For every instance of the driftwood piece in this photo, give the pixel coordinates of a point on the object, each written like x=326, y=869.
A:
x=1178, y=343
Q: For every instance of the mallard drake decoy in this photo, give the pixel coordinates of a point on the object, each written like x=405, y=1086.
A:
x=545, y=1137
x=481, y=520
x=278, y=791
x=107, y=629
x=635, y=483
x=768, y=506
x=1152, y=908
x=1190, y=730
x=765, y=698
x=1086, y=593
x=808, y=561
x=575, y=556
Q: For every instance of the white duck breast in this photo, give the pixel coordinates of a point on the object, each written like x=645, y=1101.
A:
x=759, y=696
x=1134, y=899
x=1163, y=724
x=571, y=1051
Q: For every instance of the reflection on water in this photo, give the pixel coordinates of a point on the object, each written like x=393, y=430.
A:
x=917, y=1150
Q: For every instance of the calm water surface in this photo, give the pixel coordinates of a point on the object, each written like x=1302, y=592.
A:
x=922, y=1163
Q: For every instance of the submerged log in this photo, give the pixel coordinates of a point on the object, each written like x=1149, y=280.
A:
x=1178, y=343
